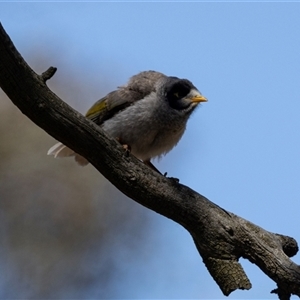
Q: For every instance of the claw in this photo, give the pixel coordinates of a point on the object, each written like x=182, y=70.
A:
x=150, y=165
x=174, y=180
x=127, y=149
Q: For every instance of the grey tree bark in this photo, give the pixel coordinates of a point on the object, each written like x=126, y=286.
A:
x=221, y=237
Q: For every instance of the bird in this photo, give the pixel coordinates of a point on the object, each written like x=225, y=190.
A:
x=148, y=115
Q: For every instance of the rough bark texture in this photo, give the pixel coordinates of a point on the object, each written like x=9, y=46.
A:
x=220, y=236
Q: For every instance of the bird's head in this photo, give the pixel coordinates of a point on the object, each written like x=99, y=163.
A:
x=181, y=94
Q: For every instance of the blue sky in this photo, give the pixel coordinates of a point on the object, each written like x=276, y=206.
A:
x=241, y=149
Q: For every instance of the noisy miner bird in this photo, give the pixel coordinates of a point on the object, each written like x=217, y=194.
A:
x=148, y=115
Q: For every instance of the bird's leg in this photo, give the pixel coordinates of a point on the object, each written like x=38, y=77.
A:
x=126, y=147
x=150, y=165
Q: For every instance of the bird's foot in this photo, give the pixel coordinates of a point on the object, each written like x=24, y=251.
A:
x=127, y=149
x=150, y=165
x=174, y=180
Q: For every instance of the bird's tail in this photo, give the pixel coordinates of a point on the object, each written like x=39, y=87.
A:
x=60, y=150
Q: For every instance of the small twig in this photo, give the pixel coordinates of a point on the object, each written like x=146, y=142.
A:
x=48, y=74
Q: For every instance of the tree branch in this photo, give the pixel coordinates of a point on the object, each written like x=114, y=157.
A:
x=221, y=237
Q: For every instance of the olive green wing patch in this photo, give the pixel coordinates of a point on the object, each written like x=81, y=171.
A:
x=98, y=108
x=112, y=103
x=138, y=88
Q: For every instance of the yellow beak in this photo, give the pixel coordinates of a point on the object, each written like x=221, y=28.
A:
x=198, y=98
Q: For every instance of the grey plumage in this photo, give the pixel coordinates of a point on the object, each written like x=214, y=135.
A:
x=149, y=114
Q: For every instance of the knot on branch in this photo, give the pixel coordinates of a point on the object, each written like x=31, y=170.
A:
x=228, y=274
x=289, y=245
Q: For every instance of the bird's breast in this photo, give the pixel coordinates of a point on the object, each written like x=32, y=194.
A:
x=148, y=130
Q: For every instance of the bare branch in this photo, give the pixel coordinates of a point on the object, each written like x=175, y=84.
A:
x=221, y=237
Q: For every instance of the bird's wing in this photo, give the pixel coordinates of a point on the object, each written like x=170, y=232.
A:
x=138, y=87
x=111, y=104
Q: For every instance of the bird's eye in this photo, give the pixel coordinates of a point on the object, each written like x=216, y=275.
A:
x=176, y=94
x=177, y=91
